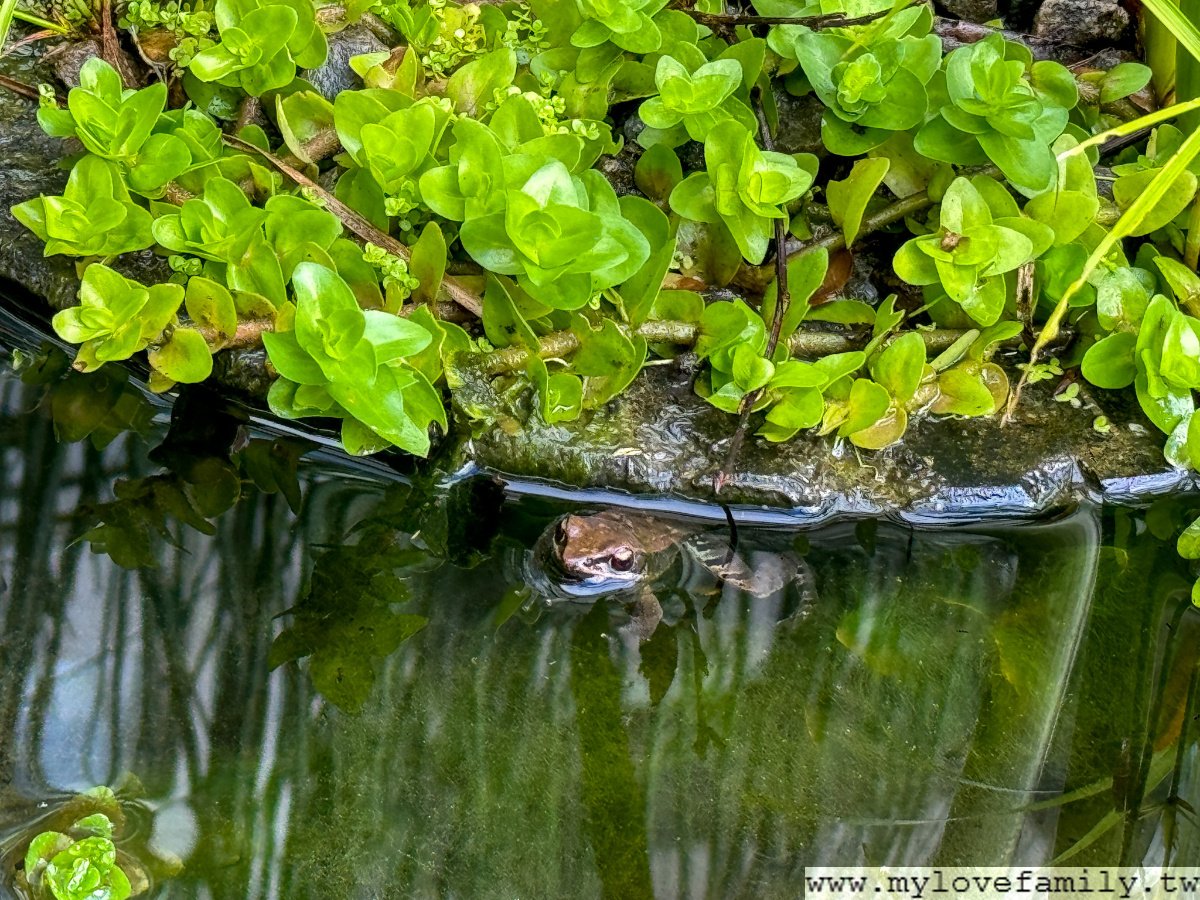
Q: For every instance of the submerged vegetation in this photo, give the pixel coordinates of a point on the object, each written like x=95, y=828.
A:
x=597, y=185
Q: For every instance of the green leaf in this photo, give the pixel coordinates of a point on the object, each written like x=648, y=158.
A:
x=1157, y=202
x=867, y=404
x=290, y=359
x=796, y=410
x=502, y=321
x=1109, y=363
x=184, y=358
x=657, y=172
x=393, y=337
x=848, y=198
x=473, y=85
x=1069, y=213
x=210, y=305
x=560, y=396
x=1122, y=80
x=608, y=358
x=1189, y=542
x=899, y=366
x=303, y=117
x=428, y=263
x=961, y=392
x=750, y=371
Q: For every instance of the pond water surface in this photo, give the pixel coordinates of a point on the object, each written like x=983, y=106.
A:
x=334, y=683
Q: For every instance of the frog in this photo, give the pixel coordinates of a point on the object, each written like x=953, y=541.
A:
x=619, y=552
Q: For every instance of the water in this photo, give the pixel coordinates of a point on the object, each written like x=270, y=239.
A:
x=362, y=698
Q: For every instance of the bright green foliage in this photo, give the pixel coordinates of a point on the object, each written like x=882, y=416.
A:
x=968, y=383
x=971, y=252
x=872, y=82
x=1135, y=175
x=690, y=104
x=180, y=18
x=732, y=339
x=796, y=392
x=345, y=362
x=396, y=149
x=848, y=199
x=1003, y=109
x=59, y=867
x=118, y=317
x=628, y=24
x=744, y=187
x=562, y=235
x=120, y=125
x=95, y=215
x=262, y=43
x=481, y=146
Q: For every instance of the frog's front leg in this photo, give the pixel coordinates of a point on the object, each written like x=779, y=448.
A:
x=644, y=615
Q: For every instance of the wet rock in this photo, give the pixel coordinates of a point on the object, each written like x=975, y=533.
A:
x=243, y=371
x=69, y=57
x=32, y=168
x=336, y=75
x=660, y=439
x=955, y=33
x=799, y=123
x=1083, y=23
x=979, y=11
x=619, y=169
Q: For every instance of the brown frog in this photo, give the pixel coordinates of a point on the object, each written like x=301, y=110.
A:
x=618, y=550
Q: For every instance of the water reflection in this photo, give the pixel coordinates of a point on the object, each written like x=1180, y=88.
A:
x=362, y=698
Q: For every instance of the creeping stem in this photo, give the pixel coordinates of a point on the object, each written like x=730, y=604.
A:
x=810, y=344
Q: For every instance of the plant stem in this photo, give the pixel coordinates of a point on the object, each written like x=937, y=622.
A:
x=782, y=299
x=1191, y=244
x=812, y=344
x=831, y=20
x=20, y=88
x=357, y=223
x=886, y=216
x=248, y=335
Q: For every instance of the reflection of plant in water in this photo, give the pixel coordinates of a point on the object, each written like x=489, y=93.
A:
x=210, y=464
x=100, y=407
x=352, y=615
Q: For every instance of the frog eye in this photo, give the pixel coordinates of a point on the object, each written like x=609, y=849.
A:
x=621, y=562
x=560, y=534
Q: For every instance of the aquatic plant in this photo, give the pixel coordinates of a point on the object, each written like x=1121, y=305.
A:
x=63, y=867
x=483, y=163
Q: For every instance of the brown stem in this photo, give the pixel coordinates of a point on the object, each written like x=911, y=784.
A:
x=20, y=88
x=886, y=216
x=248, y=334
x=357, y=223
x=110, y=46
x=808, y=344
x=782, y=299
x=321, y=145
x=831, y=20
x=248, y=109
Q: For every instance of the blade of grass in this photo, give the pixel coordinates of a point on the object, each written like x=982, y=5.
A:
x=1123, y=228
x=8, y=9
x=1187, y=66
x=30, y=18
x=1176, y=21
x=1132, y=126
